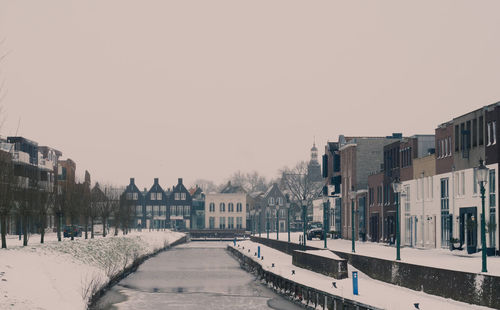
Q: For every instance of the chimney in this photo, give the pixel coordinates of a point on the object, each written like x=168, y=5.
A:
x=132, y=181
x=156, y=180
x=179, y=180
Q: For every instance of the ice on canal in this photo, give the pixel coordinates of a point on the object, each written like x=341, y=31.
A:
x=198, y=275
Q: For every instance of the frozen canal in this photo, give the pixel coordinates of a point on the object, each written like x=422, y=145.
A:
x=198, y=275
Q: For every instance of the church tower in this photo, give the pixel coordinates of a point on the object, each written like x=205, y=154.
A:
x=314, y=168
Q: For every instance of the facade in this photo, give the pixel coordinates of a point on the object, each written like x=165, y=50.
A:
x=136, y=198
x=227, y=209
x=359, y=157
x=155, y=202
x=180, y=205
x=198, y=208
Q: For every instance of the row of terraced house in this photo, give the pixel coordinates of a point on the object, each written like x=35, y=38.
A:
x=440, y=204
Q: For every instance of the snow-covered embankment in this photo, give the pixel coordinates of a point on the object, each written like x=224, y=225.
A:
x=65, y=275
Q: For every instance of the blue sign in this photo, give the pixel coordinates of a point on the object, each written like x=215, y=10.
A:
x=355, y=282
x=258, y=251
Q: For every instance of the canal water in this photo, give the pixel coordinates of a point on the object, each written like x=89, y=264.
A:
x=197, y=275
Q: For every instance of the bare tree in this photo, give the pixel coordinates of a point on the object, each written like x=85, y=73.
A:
x=206, y=185
x=85, y=206
x=25, y=199
x=299, y=186
x=6, y=193
x=126, y=213
x=250, y=181
x=46, y=200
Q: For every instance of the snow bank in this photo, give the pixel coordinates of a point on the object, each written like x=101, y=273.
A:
x=371, y=292
x=64, y=275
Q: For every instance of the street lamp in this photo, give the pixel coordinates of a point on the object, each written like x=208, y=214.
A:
x=304, y=219
x=288, y=220
x=482, y=178
x=277, y=221
x=352, y=195
x=325, y=218
x=267, y=224
x=258, y=223
x=397, y=187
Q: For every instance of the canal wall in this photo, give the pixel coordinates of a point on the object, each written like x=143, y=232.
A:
x=308, y=296
x=479, y=289
x=130, y=269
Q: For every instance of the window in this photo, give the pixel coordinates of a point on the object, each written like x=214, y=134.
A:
x=148, y=210
x=239, y=207
x=445, y=147
x=172, y=210
x=179, y=210
x=445, y=218
x=222, y=223
x=186, y=211
x=222, y=207
x=136, y=196
x=379, y=195
x=494, y=131
x=138, y=209
x=163, y=210
x=152, y=196
x=457, y=138
x=239, y=222
x=474, y=132
x=230, y=207
x=280, y=201
x=177, y=196
x=158, y=196
x=468, y=128
x=212, y=207
x=481, y=131
x=449, y=149
x=407, y=198
x=156, y=209
x=492, y=186
x=183, y=196
x=129, y=196
x=230, y=222
x=271, y=200
x=488, y=134
x=211, y=222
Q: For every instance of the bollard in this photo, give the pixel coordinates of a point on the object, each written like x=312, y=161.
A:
x=258, y=251
x=355, y=282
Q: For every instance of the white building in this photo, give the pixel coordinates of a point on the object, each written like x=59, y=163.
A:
x=436, y=208
x=226, y=210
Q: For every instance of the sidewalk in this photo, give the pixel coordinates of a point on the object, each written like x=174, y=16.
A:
x=376, y=293
x=438, y=258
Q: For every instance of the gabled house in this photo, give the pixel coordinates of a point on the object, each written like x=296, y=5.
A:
x=179, y=205
x=135, y=196
x=155, y=202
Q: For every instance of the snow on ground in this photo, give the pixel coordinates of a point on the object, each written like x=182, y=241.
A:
x=439, y=258
x=371, y=292
x=55, y=275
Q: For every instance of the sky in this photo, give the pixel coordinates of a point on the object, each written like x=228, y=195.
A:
x=201, y=89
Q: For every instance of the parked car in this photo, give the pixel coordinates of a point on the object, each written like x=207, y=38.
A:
x=315, y=230
x=77, y=231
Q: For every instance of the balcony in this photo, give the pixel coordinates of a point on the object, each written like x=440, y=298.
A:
x=45, y=164
x=21, y=157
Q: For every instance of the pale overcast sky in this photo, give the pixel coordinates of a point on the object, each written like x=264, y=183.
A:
x=200, y=89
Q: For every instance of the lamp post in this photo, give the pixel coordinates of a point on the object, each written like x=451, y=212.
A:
x=325, y=219
x=352, y=195
x=396, y=186
x=258, y=223
x=267, y=224
x=304, y=219
x=288, y=220
x=482, y=177
x=277, y=222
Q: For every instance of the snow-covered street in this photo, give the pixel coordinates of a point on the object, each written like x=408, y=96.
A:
x=60, y=275
x=372, y=292
x=439, y=258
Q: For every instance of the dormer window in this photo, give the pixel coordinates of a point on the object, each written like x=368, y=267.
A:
x=153, y=196
x=177, y=196
x=158, y=196
x=183, y=196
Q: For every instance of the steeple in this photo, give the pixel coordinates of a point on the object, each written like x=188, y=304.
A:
x=314, y=152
